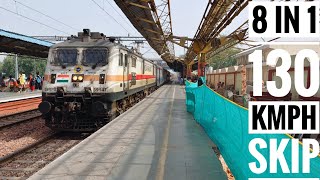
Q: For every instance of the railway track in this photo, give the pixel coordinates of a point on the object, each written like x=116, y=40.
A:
x=24, y=102
x=22, y=163
x=14, y=107
x=13, y=119
x=15, y=112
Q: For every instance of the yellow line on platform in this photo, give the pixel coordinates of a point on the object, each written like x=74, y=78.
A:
x=164, y=147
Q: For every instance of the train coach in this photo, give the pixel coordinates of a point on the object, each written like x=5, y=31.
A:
x=90, y=79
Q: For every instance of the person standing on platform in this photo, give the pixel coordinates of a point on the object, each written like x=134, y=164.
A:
x=18, y=79
x=22, y=81
x=12, y=83
x=31, y=83
x=38, y=81
x=2, y=82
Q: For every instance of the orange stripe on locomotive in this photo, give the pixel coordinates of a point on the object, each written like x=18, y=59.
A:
x=110, y=77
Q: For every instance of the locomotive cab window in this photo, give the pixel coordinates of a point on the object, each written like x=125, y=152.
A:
x=65, y=57
x=95, y=57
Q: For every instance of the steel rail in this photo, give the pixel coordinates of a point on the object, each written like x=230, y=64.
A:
x=11, y=119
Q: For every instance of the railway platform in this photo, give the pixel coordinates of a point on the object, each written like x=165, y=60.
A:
x=14, y=96
x=155, y=139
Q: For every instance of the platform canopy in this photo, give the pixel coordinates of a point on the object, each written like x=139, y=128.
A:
x=11, y=42
x=153, y=21
x=217, y=16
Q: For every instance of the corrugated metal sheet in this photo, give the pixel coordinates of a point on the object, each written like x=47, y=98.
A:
x=20, y=44
x=25, y=38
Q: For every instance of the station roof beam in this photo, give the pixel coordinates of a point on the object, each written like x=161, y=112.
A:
x=24, y=45
x=153, y=21
x=218, y=15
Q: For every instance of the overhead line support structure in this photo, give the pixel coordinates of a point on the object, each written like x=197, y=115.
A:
x=153, y=21
x=218, y=15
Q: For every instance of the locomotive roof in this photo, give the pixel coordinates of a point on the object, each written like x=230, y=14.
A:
x=93, y=39
x=103, y=42
x=76, y=42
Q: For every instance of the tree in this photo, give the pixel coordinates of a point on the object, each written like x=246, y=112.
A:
x=27, y=65
x=8, y=66
x=224, y=58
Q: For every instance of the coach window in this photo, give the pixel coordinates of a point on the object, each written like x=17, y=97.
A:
x=143, y=67
x=153, y=69
x=134, y=61
x=121, y=60
x=126, y=60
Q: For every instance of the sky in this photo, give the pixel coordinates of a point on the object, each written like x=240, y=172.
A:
x=75, y=15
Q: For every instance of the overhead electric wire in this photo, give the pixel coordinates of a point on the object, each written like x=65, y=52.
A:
x=15, y=4
x=109, y=15
x=25, y=56
x=120, y=15
x=33, y=20
x=46, y=15
x=147, y=51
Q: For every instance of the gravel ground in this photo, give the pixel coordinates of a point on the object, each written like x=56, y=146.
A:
x=224, y=164
x=29, y=162
x=226, y=169
x=19, y=136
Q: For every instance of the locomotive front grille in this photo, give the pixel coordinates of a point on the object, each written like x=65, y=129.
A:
x=74, y=112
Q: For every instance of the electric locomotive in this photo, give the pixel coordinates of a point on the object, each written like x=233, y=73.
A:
x=90, y=79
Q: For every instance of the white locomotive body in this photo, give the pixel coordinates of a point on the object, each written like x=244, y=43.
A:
x=90, y=79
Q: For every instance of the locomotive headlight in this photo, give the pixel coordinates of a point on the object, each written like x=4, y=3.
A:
x=77, y=77
x=80, y=78
x=74, y=78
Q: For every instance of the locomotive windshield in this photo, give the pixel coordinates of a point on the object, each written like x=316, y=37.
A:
x=65, y=57
x=95, y=56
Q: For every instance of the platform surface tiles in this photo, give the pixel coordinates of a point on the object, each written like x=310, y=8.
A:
x=155, y=139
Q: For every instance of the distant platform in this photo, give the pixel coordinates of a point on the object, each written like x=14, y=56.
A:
x=14, y=96
x=155, y=139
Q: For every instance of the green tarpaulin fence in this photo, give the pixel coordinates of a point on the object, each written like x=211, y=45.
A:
x=226, y=123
